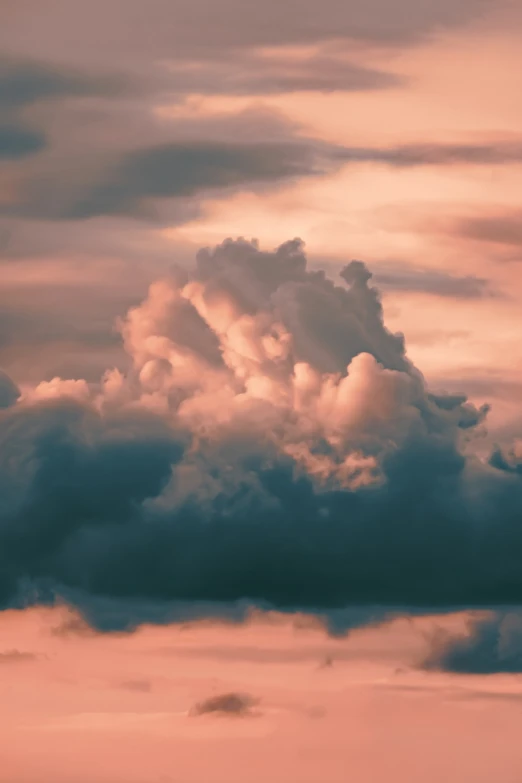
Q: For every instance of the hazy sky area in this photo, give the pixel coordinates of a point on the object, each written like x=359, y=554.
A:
x=260, y=391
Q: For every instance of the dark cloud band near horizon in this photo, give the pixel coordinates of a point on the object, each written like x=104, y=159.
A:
x=270, y=445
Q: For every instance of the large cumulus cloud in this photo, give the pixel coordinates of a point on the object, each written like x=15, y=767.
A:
x=270, y=444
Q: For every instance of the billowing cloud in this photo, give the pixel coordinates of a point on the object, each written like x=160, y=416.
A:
x=270, y=444
x=492, y=645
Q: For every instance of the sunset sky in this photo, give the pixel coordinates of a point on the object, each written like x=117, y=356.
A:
x=260, y=390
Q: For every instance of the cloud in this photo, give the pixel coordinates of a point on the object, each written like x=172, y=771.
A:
x=183, y=173
x=434, y=282
x=484, y=385
x=9, y=391
x=508, y=459
x=270, y=444
x=16, y=656
x=18, y=141
x=139, y=32
x=497, y=229
x=232, y=704
x=248, y=74
x=185, y=169
x=409, y=155
x=130, y=184
x=25, y=82
x=492, y=645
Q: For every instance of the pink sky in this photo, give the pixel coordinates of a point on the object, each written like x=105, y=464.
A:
x=114, y=708
x=137, y=132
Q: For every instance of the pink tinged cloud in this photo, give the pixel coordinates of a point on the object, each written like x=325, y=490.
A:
x=270, y=442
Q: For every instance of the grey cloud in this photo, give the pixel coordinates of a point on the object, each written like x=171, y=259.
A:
x=20, y=141
x=133, y=183
x=89, y=156
x=185, y=169
x=497, y=229
x=491, y=645
x=507, y=459
x=410, y=155
x=9, y=391
x=129, y=185
x=434, y=282
x=482, y=384
x=139, y=31
x=25, y=82
x=248, y=74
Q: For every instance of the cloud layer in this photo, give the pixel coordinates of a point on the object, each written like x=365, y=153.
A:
x=492, y=645
x=270, y=443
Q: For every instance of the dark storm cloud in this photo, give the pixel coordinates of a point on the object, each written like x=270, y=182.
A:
x=211, y=479
x=431, y=281
x=492, y=645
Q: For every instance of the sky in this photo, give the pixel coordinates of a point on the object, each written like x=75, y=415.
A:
x=260, y=389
